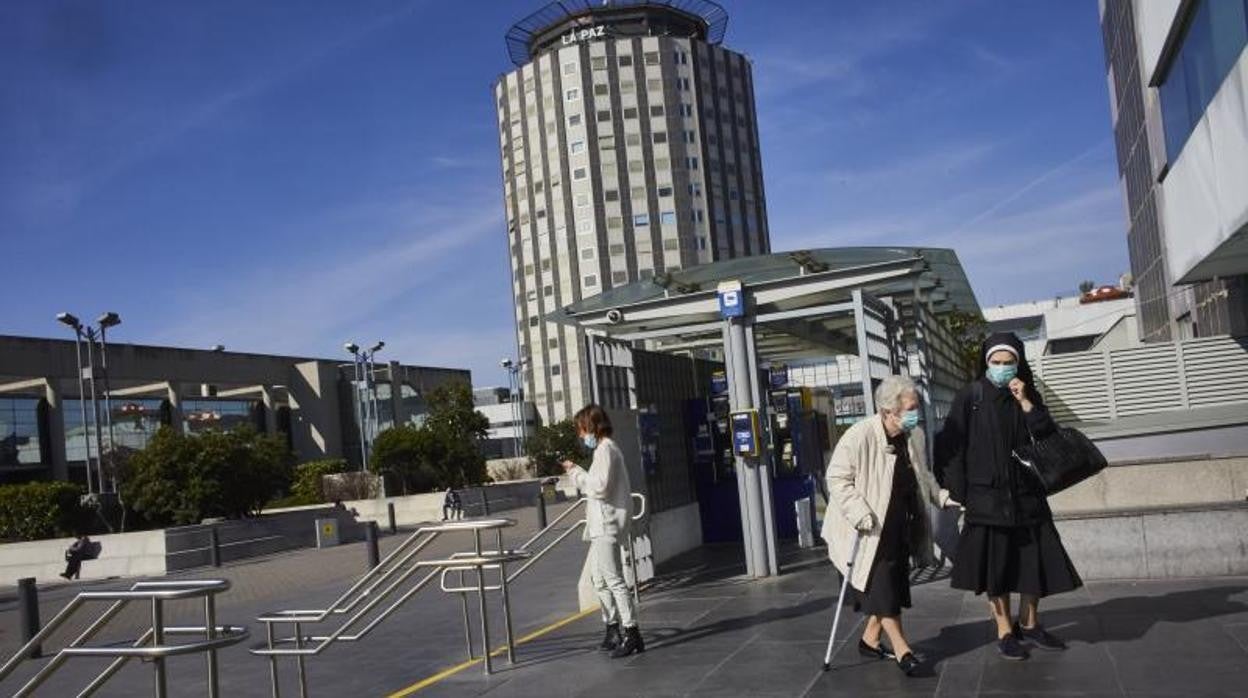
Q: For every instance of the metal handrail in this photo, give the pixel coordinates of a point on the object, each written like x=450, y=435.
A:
x=383, y=569
x=216, y=636
x=379, y=583
x=535, y=557
x=376, y=585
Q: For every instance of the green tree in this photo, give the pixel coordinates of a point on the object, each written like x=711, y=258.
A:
x=443, y=451
x=1086, y=287
x=308, y=486
x=552, y=444
x=406, y=454
x=37, y=510
x=183, y=478
x=454, y=429
x=969, y=332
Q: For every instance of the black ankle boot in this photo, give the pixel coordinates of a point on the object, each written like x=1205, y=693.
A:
x=612, y=639
x=632, y=643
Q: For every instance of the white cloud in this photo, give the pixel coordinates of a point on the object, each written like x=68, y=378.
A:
x=317, y=301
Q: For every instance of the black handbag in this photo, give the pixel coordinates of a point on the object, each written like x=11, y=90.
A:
x=1061, y=460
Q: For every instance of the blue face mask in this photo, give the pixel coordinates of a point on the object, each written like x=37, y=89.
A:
x=909, y=419
x=590, y=441
x=1001, y=374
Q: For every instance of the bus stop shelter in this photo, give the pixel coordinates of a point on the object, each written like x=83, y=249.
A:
x=882, y=305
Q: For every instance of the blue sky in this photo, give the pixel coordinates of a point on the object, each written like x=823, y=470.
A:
x=283, y=176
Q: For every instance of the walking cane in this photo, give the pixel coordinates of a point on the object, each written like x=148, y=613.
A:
x=836, y=619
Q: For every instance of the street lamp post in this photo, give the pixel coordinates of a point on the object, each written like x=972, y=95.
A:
x=515, y=413
x=519, y=426
x=73, y=322
x=106, y=321
x=371, y=385
x=354, y=350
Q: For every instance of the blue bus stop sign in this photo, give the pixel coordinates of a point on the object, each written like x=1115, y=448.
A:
x=731, y=299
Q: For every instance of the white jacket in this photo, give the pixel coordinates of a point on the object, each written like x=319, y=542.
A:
x=608, y=493
x=860, y=482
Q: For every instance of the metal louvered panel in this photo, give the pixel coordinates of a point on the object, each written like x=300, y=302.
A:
x=1146, y=380
x=1216, y=371
x=1074, y=387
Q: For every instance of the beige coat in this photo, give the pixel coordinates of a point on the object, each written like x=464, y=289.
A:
x=860, y=482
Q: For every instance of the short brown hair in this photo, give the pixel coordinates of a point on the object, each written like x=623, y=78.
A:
x=592, y=419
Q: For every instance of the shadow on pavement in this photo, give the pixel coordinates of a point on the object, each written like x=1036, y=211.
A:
x=1101, y=622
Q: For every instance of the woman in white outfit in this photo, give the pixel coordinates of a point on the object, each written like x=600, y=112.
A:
x=877, y=483
x=608, y=510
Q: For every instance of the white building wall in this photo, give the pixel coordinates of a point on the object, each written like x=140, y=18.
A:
x=1206, y=190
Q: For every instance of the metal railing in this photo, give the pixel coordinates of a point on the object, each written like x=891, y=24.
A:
x=402, y=564
x=461, y=565
x=393, y=571
x=150, y=646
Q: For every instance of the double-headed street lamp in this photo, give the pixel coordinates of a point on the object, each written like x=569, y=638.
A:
x=518, y=425
x=366, y=413
x=94, y=334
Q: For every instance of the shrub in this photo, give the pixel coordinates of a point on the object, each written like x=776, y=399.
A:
x=38, y=510
x=309, y=487
x=184, y=478
x=551, y=445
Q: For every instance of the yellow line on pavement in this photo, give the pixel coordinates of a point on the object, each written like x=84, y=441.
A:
x=445, y=673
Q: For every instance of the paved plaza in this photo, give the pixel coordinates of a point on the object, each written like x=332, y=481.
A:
x=709, y=630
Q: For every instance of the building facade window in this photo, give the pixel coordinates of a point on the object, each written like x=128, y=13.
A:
x=640, y=220
x=572, y=94
x=19, y=432
x=1213, y=41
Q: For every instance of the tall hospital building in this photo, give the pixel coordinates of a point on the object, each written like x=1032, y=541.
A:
x=629, y=149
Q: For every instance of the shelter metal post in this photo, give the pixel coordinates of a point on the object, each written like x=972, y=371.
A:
x=751, y=567
x=753, y=522
x=764, y=465
x=864, y=354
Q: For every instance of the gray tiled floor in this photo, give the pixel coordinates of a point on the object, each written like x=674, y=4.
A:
x=728, y=636
x=713, y=632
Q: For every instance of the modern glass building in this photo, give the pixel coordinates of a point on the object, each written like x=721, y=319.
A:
x=45, y=432
x=629, y=151
x=1178, y=83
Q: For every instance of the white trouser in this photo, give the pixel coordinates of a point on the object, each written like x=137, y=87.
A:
x=613, y=594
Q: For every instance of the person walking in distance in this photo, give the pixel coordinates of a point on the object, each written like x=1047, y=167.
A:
x=608, y=511
x=878, y=482
x=1008, y=543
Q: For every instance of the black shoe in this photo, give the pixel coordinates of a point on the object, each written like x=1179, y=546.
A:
x=873, y=652
x=632, y=644
x=909, y=664
x=612, y=639
x=1040, y=637
x=1010, y=648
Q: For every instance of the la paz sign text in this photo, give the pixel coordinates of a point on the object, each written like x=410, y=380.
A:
x=577, y=35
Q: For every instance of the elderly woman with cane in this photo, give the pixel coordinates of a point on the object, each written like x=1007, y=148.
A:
x=877, y=482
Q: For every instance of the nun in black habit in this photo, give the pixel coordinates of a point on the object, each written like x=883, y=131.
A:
x=1008, y=542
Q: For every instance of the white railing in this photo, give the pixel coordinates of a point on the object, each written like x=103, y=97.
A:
x=1099, y=386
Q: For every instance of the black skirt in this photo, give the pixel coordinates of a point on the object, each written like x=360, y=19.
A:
x=888, y=586
x=1000, y=560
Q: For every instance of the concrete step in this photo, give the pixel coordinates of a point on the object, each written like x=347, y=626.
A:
x=1158, y=542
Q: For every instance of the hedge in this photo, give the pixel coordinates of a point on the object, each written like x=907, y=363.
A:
x=38, y=510
x=308, y=487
